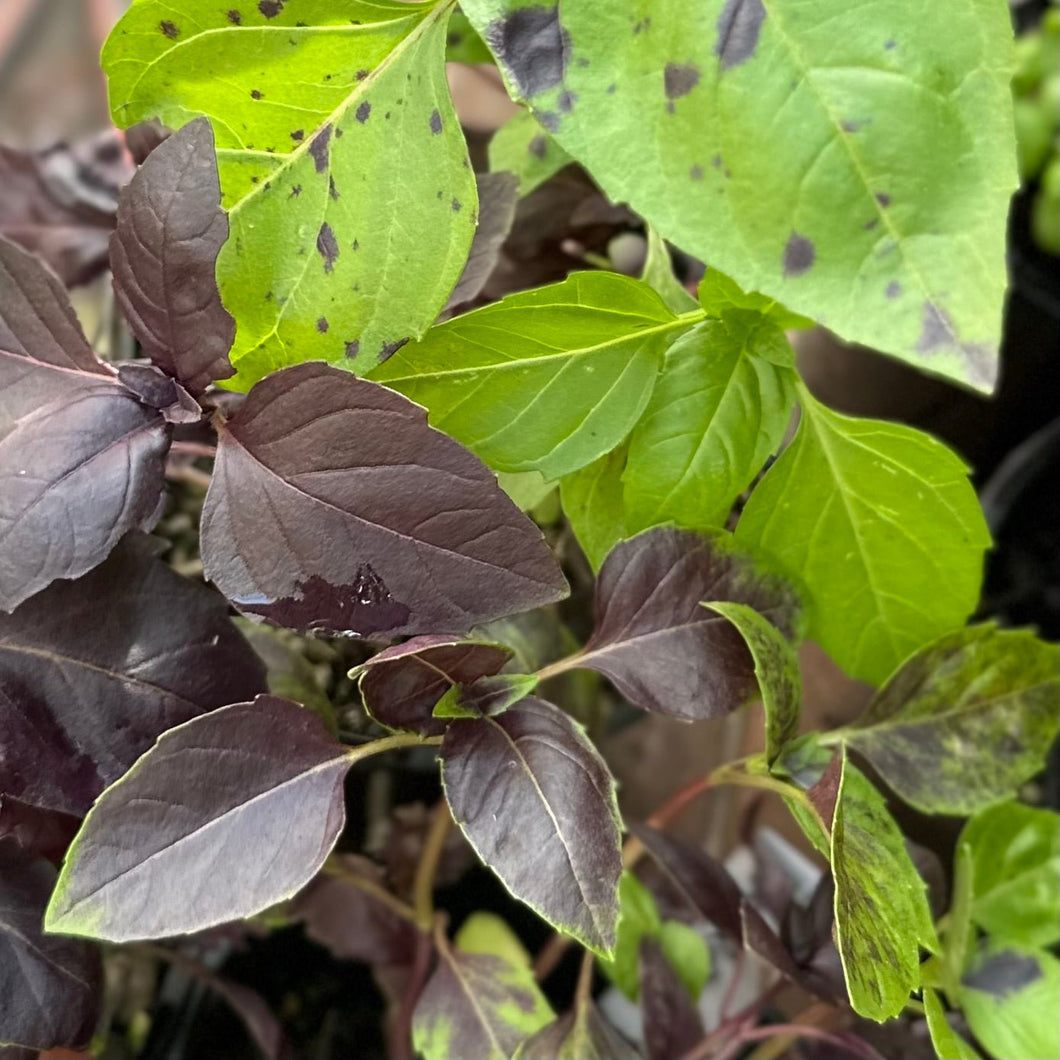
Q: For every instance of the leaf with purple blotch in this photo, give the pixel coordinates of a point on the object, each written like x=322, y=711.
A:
x=583, y=1034
x=335, y=508
x=93, y=671
x=51, y=986
x=402, y=685
x=661, y=649
x=163, y=256
x=537, y=803
x=223, y=817
x=81, y=457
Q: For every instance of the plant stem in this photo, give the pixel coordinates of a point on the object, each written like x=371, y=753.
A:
x=583, y=993
x=571, y=662
x=207, y=452
x=423, y=885
x=390, y=743
x=183, y=473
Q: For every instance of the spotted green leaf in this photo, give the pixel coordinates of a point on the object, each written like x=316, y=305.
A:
x=965, y=721
x=546, y=380
x=320, y=112
x=854, y=161
x=592, y=500
x=867, y=514
x=777, y=670
x=719, y=409
x=521, y=146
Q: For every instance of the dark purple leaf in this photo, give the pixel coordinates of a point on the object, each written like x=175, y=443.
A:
x=663, y=651
x=163, y=255
x=60, y=203
x=92, y=671
x=158, y=391
x=81, y=459
x=335, y=508
x=672, y=1024
x=50, y=985
x=536, y=801
x=44, y=833
x=580, y=1035
x=223, y=817
x=349, y=911
x=402, y=684
x=498, y=194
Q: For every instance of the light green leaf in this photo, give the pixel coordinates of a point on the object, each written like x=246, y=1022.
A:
x=318, y=109
x=949, y=1045
x=1010, y=996
x=719, y=409
x=521, y=146
x=463, y=44
x=868, y=515
x=527, y=489
x=658, y=272
x=777, y=670
x=592, y=499
x=687, y=953
x=1015, y=871
x=966, y=720
x=638, y=918
x=487, y=933
x=718, y=292
x=489, y=695
x=881, y=907
x=549, y=379
x=853, y=161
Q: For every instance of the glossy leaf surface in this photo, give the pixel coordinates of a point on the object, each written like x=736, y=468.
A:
x=719, y=409
x=164, y=255
x=301, y=527
x=536, y=801
x=853, y=162
x=866, y=514
x=965, y=721
x=223, y=817
x=657, y=644
x=544, y=380
x=93, y=671
x=315, y=108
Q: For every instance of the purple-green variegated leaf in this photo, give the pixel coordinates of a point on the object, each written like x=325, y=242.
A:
x=402, y=685
x=485, y=697
x=658, y=645
x=583, y=1034
x=163, y=256
x=81, y=458
x=335, y=508
x=49, y=986
x=223, y=817
x=93, y=671
x=536, y=801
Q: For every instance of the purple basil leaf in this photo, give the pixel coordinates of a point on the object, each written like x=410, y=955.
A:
x=708, y=887
x=672, y=1024
x=401, y=685
x=45, y=833
x=498, y=194
x=580, y=1035
x=163, y=254
x=347, y=912
x=92, y=671
x=50, y=986
x=158, y=391
x=335, y=508
x=661, y=649
x=60, y=203
x=81, y=459
x=536, y=801
x=223, y=817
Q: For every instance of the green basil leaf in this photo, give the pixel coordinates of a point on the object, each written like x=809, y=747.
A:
x=949, y=1045
x=592, y=500
x=687, y=953
x=867, y=514
x=854, y=162
x=658, y=272
x=546, y=380
x=521, y=146
x=638, y=918
x=718, y=292
x=719, y=409
x=316, y=107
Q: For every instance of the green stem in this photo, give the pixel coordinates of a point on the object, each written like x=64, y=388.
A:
x=423, y=885
x=571, y=662
x=390, y=743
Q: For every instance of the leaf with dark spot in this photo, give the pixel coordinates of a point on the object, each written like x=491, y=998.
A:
x=169, y=29
x=536, y=801
x=327, y=246
x=300, y=528
x=679, y=79
x=497, y=197
x=233, y=779
x=163, y=255
x=436, y=122
x=799, y=254
x=739, y=26
x=94, y=670
x=401, y=685
x=965, y=721
x=524, y=148
x=672, y=1024
x=52, y=985
x=658, y=645
x=78, y=451
x=531, y=46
